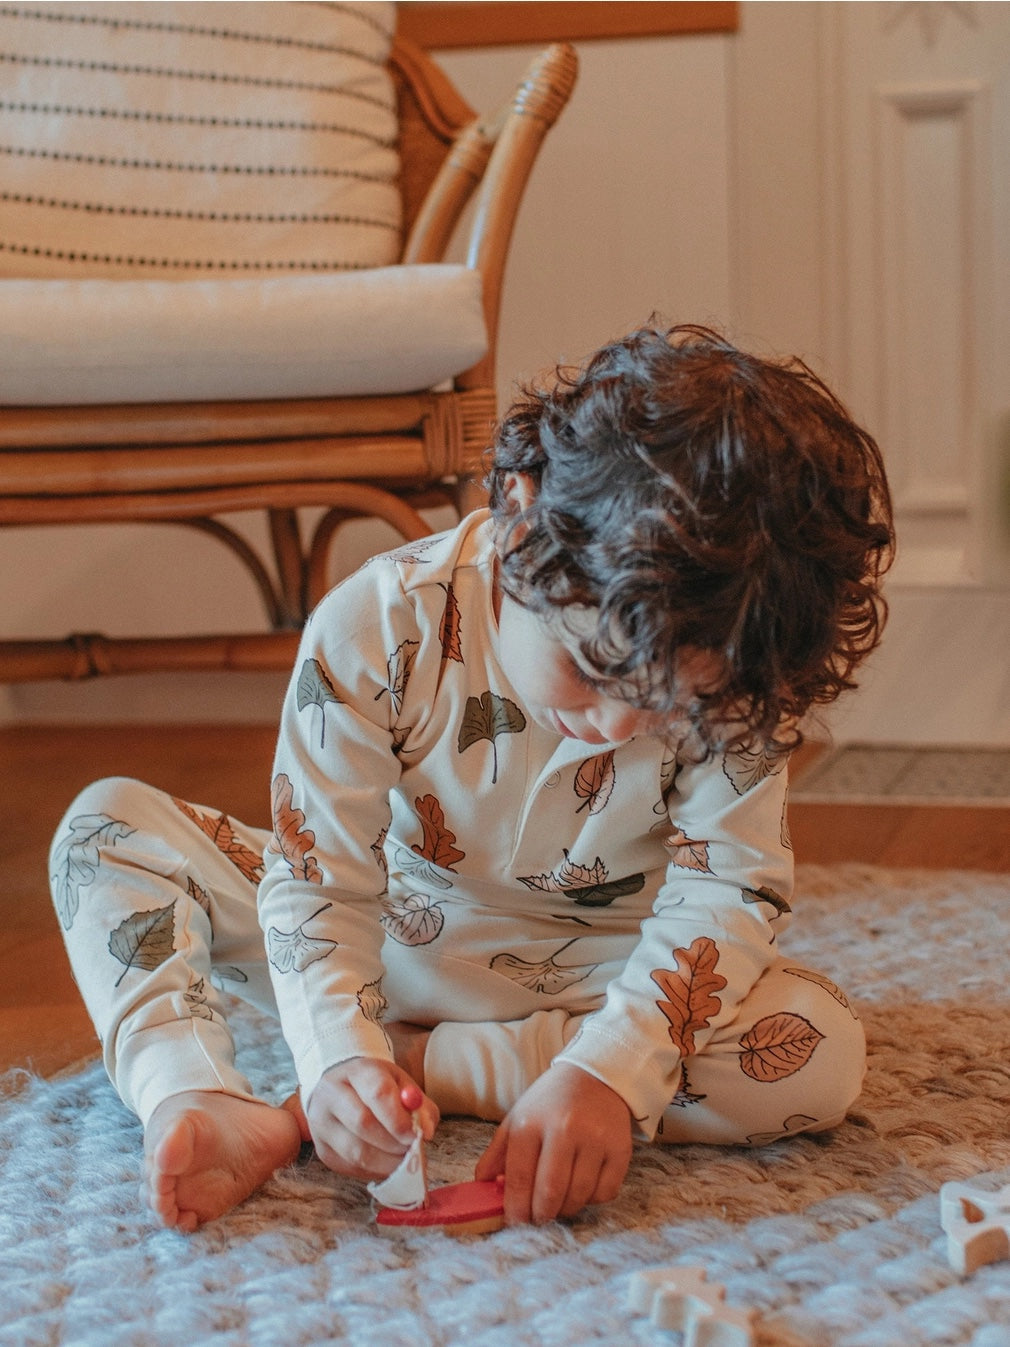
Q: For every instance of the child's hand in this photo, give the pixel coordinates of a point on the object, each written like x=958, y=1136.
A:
x=565, y=1144
x=358, y=1121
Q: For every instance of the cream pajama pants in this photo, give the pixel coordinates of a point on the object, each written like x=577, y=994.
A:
x=157, y=901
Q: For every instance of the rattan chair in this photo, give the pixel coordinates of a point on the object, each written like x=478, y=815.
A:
x=381, y=456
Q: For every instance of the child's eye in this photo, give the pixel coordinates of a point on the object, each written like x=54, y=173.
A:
x=585, y=679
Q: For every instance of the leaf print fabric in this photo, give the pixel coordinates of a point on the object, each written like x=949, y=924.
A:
x=144, y=940
x=832, y=989
x=417, y=920
x=372, y=1002
x=439, y=845
x=291, y=837
x=76, y=859
x=315, y=689
x=398, y=670
x=568, y=875
x=594, y=782
x=691, y=991
x=196, y=999
x=486, y=717
x=688, y=854
x=588, y=886
x=293, y=951
x=449, y=628
x=778, y=1046
x=221, y=832
x=546, y=976
x=746, y=767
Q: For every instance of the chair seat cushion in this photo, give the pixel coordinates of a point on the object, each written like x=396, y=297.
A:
x=388, y=330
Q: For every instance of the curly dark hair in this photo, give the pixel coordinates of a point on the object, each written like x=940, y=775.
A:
x=697, y=496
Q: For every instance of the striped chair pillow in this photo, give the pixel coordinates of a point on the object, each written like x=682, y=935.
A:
x=189, y=139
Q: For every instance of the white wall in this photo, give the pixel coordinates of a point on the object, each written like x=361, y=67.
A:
x=830, y=181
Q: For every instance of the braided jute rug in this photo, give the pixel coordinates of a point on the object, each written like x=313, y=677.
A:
x=834, y=1240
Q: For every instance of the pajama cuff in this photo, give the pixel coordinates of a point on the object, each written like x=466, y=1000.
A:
x=167, y=1059
x=644, y=1086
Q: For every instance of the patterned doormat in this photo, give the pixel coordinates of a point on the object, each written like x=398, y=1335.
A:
x=907, y=774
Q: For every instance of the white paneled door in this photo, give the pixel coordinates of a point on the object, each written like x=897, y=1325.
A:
x=908, y=312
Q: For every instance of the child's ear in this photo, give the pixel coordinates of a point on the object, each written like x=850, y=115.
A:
x=519, y=493
x=519, y=489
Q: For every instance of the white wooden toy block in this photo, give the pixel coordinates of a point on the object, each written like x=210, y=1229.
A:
x=679, y=1298
x=977, y=1224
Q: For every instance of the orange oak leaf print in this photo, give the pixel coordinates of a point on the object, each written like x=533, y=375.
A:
x=291, y=838
x=449, y=628
x=777, y=1047
x=220, y=831
x=439, y=845
x=691, y=991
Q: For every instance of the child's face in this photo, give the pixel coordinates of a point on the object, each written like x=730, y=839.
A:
x=541, y=658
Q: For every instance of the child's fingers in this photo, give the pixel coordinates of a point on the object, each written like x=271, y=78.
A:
x=492, y=1163
x=346, y=1153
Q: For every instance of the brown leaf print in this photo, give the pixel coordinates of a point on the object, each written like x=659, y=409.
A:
x=449, y=628
x=594, y=782
x=414, y=920
x=777, y=1047
x=144, y=940
x=747, y=766
x=691, y=991
x=220, y=831
x=830, y=987
x=399, y=666
x=439, y=845
x=688, y=854
x=291, y=838
x=569, y=875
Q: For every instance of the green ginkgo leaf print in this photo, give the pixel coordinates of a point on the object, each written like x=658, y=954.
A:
x=399, y=667
x=486, y=717
x=144, y=940
x=315, y=689
x=76, y=859
x=293, y=951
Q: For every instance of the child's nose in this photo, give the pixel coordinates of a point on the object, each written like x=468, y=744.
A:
x=614, y=720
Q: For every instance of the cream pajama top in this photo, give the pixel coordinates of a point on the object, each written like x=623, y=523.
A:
x=438, y=856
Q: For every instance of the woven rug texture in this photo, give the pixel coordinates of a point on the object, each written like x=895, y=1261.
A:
x=834, y=1240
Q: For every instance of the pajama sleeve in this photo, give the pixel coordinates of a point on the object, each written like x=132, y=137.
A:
x=710, y=936
x=336, y=762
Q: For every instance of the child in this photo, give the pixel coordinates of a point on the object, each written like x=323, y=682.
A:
x=530, y=846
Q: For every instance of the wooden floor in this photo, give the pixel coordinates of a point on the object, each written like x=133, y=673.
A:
x=43, y=1024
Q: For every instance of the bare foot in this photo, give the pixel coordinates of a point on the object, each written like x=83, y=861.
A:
x=206, y=1152
x=409, y=1042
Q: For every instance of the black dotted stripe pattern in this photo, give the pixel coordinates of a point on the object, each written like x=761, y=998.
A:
x=67, y=182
